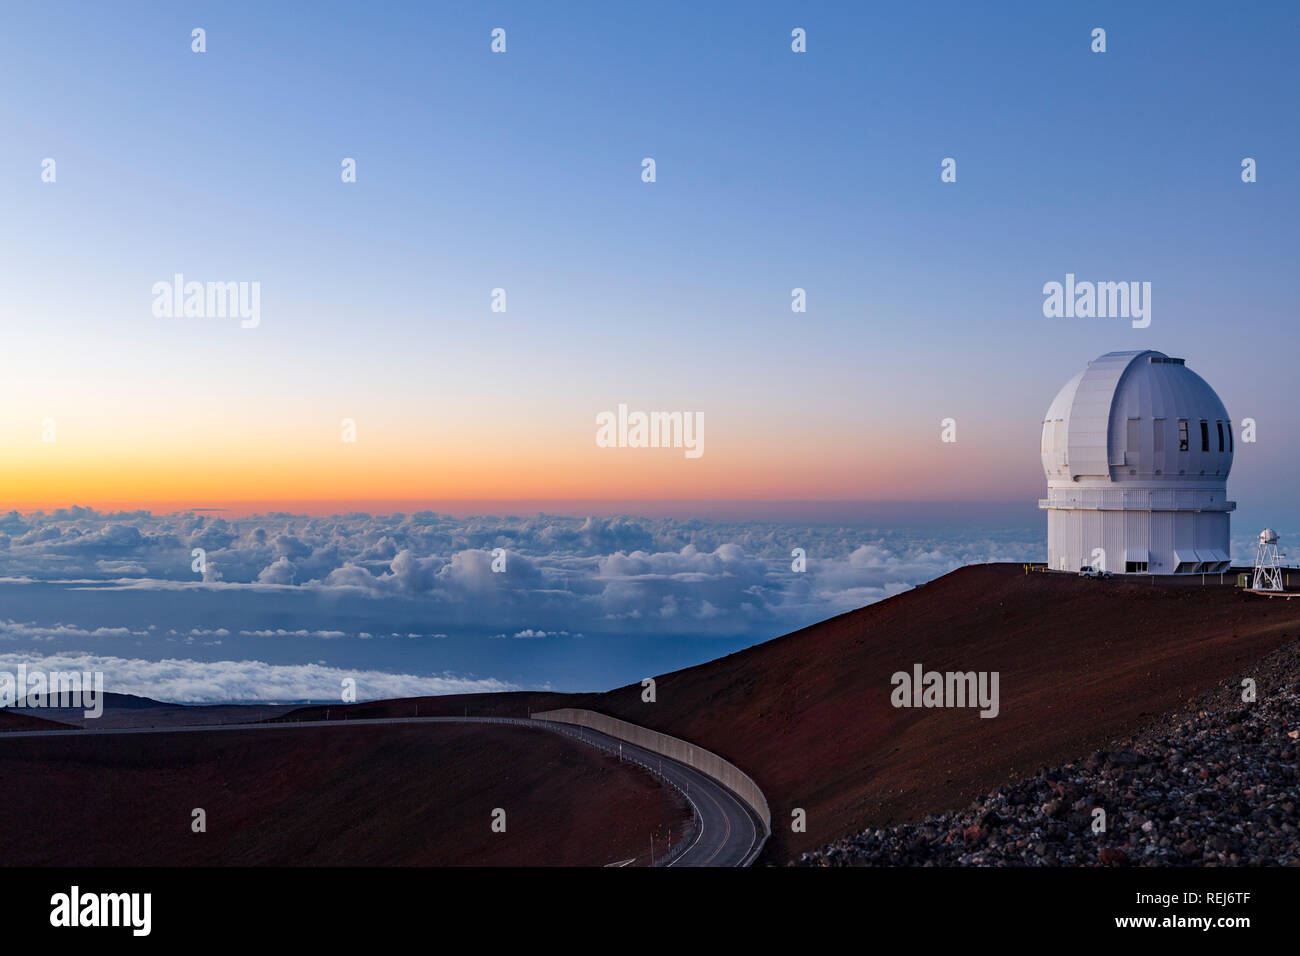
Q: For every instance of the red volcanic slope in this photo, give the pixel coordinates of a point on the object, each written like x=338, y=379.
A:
x=20, y=720
x=1080, y=663
x=808, y=715
x=510, y=704
x=126, y=710
x=377, y=795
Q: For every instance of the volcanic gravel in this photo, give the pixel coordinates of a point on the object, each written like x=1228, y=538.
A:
x=1215, y=784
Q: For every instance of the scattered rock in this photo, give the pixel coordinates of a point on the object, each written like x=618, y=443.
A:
x=1208, y=785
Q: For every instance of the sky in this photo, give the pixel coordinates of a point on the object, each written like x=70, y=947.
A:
x=522, y=170
x=349, y=458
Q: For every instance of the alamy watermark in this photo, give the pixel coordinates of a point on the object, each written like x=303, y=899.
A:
x=76, y=908
x=1098, y=300
x=37, y=689
x=624, y=429
x=208, y=300
x=923, y=688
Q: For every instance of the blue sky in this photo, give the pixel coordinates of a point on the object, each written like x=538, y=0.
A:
x=775, y=170
x=475, y=170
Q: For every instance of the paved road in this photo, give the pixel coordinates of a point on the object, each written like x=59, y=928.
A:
x=726, y=831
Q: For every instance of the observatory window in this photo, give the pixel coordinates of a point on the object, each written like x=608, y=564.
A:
x=1182, y=434
x=1205, y=436
x=1135, y=567
x=1133, y=434
x=1159, y=435
x=1229, y=436
x=1220, y=424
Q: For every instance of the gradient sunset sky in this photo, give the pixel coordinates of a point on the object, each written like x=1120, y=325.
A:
x=522, y=171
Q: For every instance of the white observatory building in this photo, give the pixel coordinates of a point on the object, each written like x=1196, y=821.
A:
x=1137, y=450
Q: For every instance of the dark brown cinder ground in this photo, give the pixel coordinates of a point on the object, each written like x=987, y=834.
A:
x=377, y=795
x=808, y=715
x=17, y=720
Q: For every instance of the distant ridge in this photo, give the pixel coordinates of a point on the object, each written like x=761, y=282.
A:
x=111, y=700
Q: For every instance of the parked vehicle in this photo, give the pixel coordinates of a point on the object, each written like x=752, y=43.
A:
x=1088, y=571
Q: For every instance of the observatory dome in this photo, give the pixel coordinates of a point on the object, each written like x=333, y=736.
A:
x=1137, y=449
x=1133, y=416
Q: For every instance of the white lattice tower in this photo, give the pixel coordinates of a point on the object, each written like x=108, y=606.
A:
x=1268, y=574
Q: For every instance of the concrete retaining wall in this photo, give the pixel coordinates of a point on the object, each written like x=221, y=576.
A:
x=705, y=761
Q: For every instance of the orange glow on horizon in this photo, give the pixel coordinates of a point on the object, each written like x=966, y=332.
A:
x=99, y=468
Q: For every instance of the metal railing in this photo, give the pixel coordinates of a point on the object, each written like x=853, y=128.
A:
x=705, y=761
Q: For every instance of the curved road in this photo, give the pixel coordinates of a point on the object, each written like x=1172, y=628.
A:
x=725, y=833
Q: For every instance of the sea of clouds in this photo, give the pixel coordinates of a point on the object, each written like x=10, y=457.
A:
x=427, y=576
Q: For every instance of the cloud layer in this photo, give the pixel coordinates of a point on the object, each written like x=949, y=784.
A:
x=191, y=607
x=560, y=574
x=223, y=682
